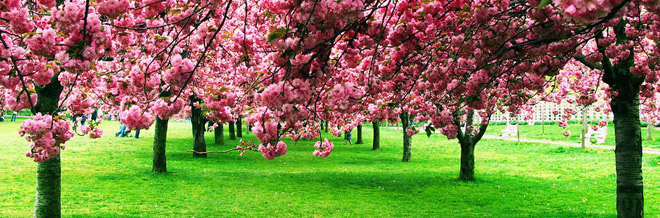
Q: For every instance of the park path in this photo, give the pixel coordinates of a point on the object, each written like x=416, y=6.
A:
x=571, y=144
x=646, y=150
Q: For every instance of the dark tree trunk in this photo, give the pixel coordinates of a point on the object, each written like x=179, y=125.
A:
x=625, y=106
x=219, y=134
x=160, y=139
x=649, y=127
x=467, y=161
x=405, y=123
x=47, y=203
x=542, y=125
x=468, y=142
x=376, y=140
x=326, y=126
x=232, y=133
x=585, y=129
x=628, y=154
x=198, y=122
x=359, y=135
x=48, y=192
x=239, y=127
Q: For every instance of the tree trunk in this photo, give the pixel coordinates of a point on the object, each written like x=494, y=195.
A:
x=326, y=126
x=518, y=130
x=48, y=200
x=628, y=153
x=585, y=129
x=376, y=140
x=359, y=135
x=468, y=142
x=219, y=135
x=239, y=127
x=160, y=139
x=543, y=126
x=198, y=121
x=405, y=119
x=232, y=133
x=627, y=128
x=649, y=127
x=467, y=161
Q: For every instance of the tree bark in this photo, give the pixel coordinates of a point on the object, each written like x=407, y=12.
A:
x=198, y=121
x=543, y=126
x=585, y=129
x=219, y=135
x=649, y=127
x=405, y=123
x=239, y=127
x=160, y=140
x=48, y=201
x=359, y=135
x=468, y=142
x=625, y=106
x=518, y=130
x=326, y=126
x=232, y=132
x=376, y=140
x=628, y=155
x=467, y=161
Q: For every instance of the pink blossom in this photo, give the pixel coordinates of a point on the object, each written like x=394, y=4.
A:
x=269, y=152
x=46, y=140
x=324, y=148
x=411, y=132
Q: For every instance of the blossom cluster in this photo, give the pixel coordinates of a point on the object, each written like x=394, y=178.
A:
x=134, y=118
x=164, y=110
x=324, y=148
x=269, y=152
x=47, y=136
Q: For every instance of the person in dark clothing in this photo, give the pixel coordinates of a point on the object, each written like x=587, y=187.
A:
x=210, y=123
x=74, y=119
x=95, y=115
x=348, y=136
x=122, y=131
x=83, y=120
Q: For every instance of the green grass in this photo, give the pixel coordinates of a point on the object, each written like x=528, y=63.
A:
x=111, y=177
x=554, y=133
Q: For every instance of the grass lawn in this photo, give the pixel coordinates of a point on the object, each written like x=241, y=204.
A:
x=111, y=177
x=554, y=133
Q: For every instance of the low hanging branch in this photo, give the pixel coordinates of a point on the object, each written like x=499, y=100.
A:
x=206, y=152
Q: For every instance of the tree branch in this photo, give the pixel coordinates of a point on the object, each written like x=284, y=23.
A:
x=594, y=66
x=206, y=152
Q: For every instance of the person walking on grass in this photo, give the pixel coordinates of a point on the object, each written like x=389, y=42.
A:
x=210, y=123
x=13, y=117
x=347, y=136
x=122, y=130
